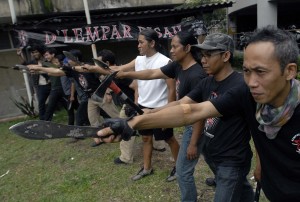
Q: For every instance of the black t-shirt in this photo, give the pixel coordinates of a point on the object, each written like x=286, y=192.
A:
x=55, y=83
x=226, y=139
x=88, y=82
x=187, y=79
x=280, y=157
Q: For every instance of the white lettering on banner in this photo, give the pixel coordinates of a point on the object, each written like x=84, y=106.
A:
x=126, y=31
x=105, y=30
x=78, y=34
x=50, y=39
x=64, y=31
x=115, y=33
x=94, y=36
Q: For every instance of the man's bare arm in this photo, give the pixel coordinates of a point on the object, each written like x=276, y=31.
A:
x=49, y=70
x=196, y=134
x=92, y=68
x=146, y=74
x=184, y=100
x=171, y=90
x=127, y=67
x=175, y=116
x=171, y=117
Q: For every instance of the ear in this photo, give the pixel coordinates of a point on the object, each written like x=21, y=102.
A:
x=290, y=71
x=187, y=48
x=226, y=56
x=152, y=43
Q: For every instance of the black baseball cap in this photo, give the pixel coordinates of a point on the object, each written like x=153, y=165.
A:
x=217, y=41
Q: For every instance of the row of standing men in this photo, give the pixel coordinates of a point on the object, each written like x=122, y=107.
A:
x=223, y=142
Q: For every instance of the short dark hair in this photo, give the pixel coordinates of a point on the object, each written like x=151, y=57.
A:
x=107, y=56
x=37, y=47
x=50, y=50
x=285, y=45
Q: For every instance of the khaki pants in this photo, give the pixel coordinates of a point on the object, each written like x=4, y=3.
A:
x=127, y=147
x=94, y=111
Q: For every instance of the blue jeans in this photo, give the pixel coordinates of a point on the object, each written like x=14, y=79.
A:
x=232, y=183
x=185, y=168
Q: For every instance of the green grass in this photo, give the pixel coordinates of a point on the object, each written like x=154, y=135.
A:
x=55, y=170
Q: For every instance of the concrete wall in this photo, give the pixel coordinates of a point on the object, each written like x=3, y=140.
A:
x=29, y=7
x=240, y=4
x=12, y=85
x=266, y=13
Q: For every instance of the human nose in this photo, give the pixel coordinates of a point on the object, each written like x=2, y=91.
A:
x=251, y=80
x=203, y=59
x=172, y=50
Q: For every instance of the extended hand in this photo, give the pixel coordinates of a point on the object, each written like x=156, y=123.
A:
x=118, y=126
x=121, y=74
x=33, y=68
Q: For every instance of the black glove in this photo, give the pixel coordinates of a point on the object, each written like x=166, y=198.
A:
x=120, y=127
x=129, y=111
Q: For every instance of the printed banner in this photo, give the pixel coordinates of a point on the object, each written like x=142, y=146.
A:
x=106, y=32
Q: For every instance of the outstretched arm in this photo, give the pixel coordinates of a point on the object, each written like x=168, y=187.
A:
x=50, y=70
x=180, y=115
x=176, y=116
x=127, y=67
x=146, y=74
x=92, y=68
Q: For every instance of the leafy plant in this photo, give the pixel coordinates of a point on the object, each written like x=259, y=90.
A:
x=25, y=107
x=214, y=21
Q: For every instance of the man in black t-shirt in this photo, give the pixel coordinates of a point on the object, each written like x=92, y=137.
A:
x=225, y=141
x=268, y=101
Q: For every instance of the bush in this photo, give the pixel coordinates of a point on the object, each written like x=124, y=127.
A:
x=237, y=62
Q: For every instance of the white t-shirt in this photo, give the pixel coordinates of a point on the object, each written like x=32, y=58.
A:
x=152, y=93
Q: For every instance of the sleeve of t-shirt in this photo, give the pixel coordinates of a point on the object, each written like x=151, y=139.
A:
x=198, y=76
x=231, y=102
x=196, y=93
x=169, y=69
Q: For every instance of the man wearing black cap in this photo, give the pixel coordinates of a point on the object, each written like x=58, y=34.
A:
x=225, y=141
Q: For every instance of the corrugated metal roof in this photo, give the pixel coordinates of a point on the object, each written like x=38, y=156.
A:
x=116, y=14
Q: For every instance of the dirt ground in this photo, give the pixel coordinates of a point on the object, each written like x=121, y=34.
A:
x=162, y=160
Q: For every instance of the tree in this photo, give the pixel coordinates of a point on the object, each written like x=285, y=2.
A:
x=215, y=21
